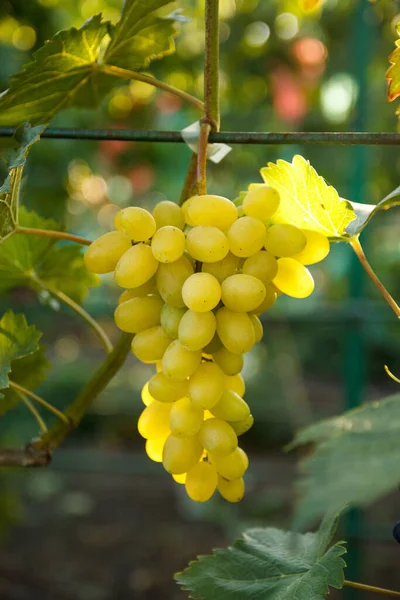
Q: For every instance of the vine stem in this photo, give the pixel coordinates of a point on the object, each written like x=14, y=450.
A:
x=40, y=401
x=205, y=129
x=101, y=334
x=33, y=410
x=190, y=184
x=127, y=74
x=371, y=588
x=49, y=233
x=355, y=244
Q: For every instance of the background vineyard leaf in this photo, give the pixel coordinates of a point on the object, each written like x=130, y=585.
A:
x=269, y=564
x=393, y=73
x=21, y=357
x=356, y=459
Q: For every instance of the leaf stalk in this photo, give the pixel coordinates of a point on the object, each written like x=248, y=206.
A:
x=371, y=588
x=49, y=233
x=39, y=400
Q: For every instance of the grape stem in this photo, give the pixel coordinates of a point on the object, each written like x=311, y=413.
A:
x=371, y=588
x=355, y=244
x=39, y=400
x=190, y=184
x=49, y=233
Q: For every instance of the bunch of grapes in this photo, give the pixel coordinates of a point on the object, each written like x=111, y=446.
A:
x=197, y=278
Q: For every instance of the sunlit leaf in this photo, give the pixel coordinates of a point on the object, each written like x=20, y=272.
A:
x=393, y=73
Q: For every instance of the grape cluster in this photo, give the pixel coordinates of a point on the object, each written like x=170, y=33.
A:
x=197, y=278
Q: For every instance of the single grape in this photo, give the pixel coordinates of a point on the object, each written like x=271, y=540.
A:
x=231, y=407
x=149, y=345
x=185, y=210
x=135, y=267
x=147, y=398
x=206, y=385
x=214, y=211
x=147, y=289
x=235, y=330
x=230, y=363
x=261, y=265
x=232, y=491
x=258, y=328
x=153, y=423
x=217, y=436
x=231, y=466
x=138, y=224
x=178, y=363
x=104, y=253
x=168, y=213
x=261, y=202
x=138, y=314
x=185, y=419
x=154, y=448
x=201, y=481
x=246, y=236
x=235, y=383
x=168, y=244
x=181, y=478
x=201, y=292
x=222, y=269
x=316, y=249
x=170, y=318
x=197, y=329
x=285, y=240
x=170, y=279
x=268, y=302
x=293, y=278
x=181, y=454
x=164, y=390
x=240, y=427
x=242, y=293
x=207, y=244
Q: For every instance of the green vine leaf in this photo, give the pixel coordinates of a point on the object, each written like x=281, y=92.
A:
x=21, y=355
x=355, y=460
x=25, y=137
x=270, y=564
x=365, y=212
x=393, y=73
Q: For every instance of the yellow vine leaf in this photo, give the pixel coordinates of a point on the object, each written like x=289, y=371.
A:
x=393, y=73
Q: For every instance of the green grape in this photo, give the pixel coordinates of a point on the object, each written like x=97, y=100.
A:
x=217, y=436
x=293, y=278
x=104, y=253
x=138, y=224
x=235, y=330
x=222, y=269
x=242, y=293
x=261, y=265
x=316, y=249
x=246, y=236
x=258, y=328
x=170, y=279
x=206, y=385
x=181, y=454
x=178, y=362
x=153, y=423
x=268, y=302
x=135, y=267
x=201, y=482
x=154, y=448
x=149, y=345
x=168, y=213
x=235, y=383
x=230, y=407
x=138, y=314
x=230, y=363
x=261, y=202
x=285, y=240
x=185, y=420
x=181, y=478
x=197, y=329
x=147, y=398
x=232, y=491
x=185, y=210
x=240, y=427
x=231, y=466
x=164, y=390
x=213, y=346
x=170, y=318
x=201, y=292
x=213, y=211
x=168, y=244
x=147, y=289
x=207, y=244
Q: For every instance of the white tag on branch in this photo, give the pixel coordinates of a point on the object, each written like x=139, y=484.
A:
x=215, y=152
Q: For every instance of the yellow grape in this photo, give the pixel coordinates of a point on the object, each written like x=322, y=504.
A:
x=285, y=240
x=235, y=330
x=213, y=346
x=268, y=302
x=246, y=236
x=104, y=253
x=138, y=314
x=222, y=269
x=185, y=419
x=135, y=267
x=242, y=293
x=240, y=427
x=197, y=329
x=218, y=436
x=261, y=265
x=153, y=423
x=214, y=211
x=231, y=407
x=149, y=345
x=147, y=289
x=170, y=318
x=164, y=390
x=168, y=244
x=170, y=279
x=201, y=481
x=168, y=213
x=293, y=278
x=261, y=202
x=138, y=224
x=258, y=328
x=206, y=385
x=316, y=249
x=230, y=363
x=147, y=398
x=235, y=383
x=207, y=244
x=181, y=478
x=201, y=292
x=231, y=466
x=178, y=363
x=232, y=491
x=154, y=448
x=185, y=210
x=181, y=454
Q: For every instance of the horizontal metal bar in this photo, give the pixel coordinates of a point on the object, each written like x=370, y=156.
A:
x=228, y=137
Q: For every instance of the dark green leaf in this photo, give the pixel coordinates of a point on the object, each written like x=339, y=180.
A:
x=365, y=212
x=269, y=564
